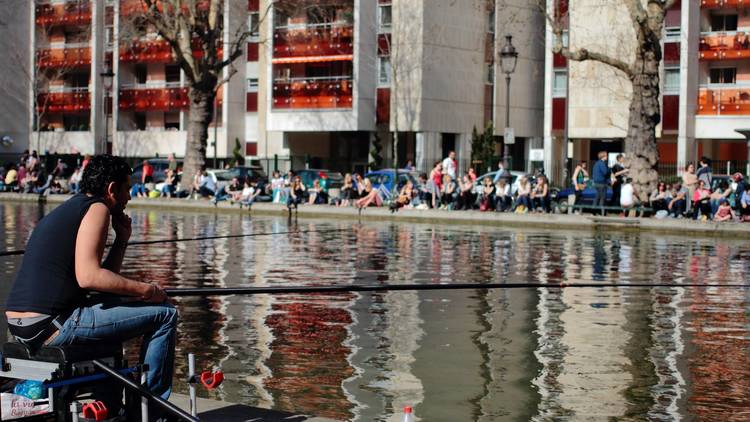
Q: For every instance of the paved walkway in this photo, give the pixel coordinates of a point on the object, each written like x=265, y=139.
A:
x=549, y=221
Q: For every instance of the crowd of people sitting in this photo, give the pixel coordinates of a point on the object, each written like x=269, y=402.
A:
x=32, y=174
x=696, y=194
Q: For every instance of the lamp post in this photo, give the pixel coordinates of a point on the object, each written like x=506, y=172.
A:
x=508, y=58
x=107, y=77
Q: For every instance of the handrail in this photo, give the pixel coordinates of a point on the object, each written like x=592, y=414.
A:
x=303, y=26
x=171, y=408
x=313, y=79
x=154, y=85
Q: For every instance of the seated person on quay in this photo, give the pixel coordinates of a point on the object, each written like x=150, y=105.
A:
x=56, y=298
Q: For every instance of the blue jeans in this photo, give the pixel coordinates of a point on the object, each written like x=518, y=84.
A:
x=601, y=194
x=115, y=322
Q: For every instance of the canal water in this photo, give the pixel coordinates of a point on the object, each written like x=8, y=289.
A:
x=662, y=353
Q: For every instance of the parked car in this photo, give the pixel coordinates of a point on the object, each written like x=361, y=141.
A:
x=513, y=182
x=222, y=177
x=334, y=180
x=160, y=166
x=587, y=197
x=383, y=179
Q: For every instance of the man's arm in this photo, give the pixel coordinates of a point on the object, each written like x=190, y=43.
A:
x=92, y=236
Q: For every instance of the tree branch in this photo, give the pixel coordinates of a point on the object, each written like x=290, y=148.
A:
x=583, y=54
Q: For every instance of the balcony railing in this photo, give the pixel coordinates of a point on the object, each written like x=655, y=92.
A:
x=716, y=4
x=63, y=57
x=153, y=99
x=76, y=100
x=734, y=101
x=155, y=51
x=327, y=40
x=724, y=45
x=69, y=13
x=312, y=93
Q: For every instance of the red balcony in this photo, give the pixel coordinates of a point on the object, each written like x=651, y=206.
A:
x=724, y=46
x=717, y=4
x=129, y=7
x=70, y=13
x=64, y=57
x=159, y=99
x=311, y=93
x=64, y=102
x=327, y=40
x=724, y=101
x=156, y=51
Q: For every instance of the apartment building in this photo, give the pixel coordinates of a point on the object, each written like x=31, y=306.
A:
x=140, y=112
x=339, y=80
x=323, y=83
x=705, y=88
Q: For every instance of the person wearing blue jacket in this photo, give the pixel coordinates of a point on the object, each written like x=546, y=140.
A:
x=602, y=176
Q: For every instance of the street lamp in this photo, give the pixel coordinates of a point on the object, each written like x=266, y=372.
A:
x=107, y=77
x=508, y=58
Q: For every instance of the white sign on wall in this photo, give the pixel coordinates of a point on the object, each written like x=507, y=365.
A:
x=536, y=154
x=509, y=137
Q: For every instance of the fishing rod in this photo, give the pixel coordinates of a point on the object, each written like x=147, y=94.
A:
x=224, y=291
x=190, y=239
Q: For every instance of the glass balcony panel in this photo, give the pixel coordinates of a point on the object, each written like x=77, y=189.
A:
x=724, y=101
x=319, y=40
x=71, y=100
x=312, y=93
x=724, y=45
x=147, y=99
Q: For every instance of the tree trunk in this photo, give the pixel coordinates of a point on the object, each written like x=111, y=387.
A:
x=200, y=116
x=641, y=152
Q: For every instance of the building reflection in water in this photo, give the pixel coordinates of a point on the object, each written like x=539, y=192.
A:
x=661, y=353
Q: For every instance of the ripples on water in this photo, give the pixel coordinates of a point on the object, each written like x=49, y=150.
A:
x=664, y=353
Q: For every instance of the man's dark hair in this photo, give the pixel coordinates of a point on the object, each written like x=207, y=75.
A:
x=103, y=170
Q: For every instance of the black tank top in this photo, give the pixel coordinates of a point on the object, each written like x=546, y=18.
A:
x=46, y=282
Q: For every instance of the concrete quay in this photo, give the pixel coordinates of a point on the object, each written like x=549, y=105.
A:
x=670, y=226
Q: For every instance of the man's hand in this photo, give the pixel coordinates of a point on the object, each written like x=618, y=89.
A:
x=155, y=294
x=121, y=223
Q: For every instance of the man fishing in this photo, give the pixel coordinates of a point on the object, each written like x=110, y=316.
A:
x=56, y=297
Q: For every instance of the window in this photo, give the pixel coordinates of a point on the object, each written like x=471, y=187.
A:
x=172, y=73
x=560, y=83
x=491, y=22
x=252, y=84
x=384, y=18
x=172, y=120
x=672, y=34
x=253, y=24
x=140, y=121
x=672, y=80
x=141, y=73
x=384, y=71
x=723, y=22
x=727, y=75
x=490, y=74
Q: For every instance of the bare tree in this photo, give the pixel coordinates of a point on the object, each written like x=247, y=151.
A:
x=642, y=70
x=206, y=51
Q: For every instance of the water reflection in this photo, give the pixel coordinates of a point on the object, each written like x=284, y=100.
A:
x=664, y=353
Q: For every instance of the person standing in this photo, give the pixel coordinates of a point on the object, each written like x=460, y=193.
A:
x=54, y=300
x=450, y=165
x=172, y=163
x=689, y=182
x=502, y=173
x=704, y=171
x=602, y=178
x=580, y=177
x=618, y=172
